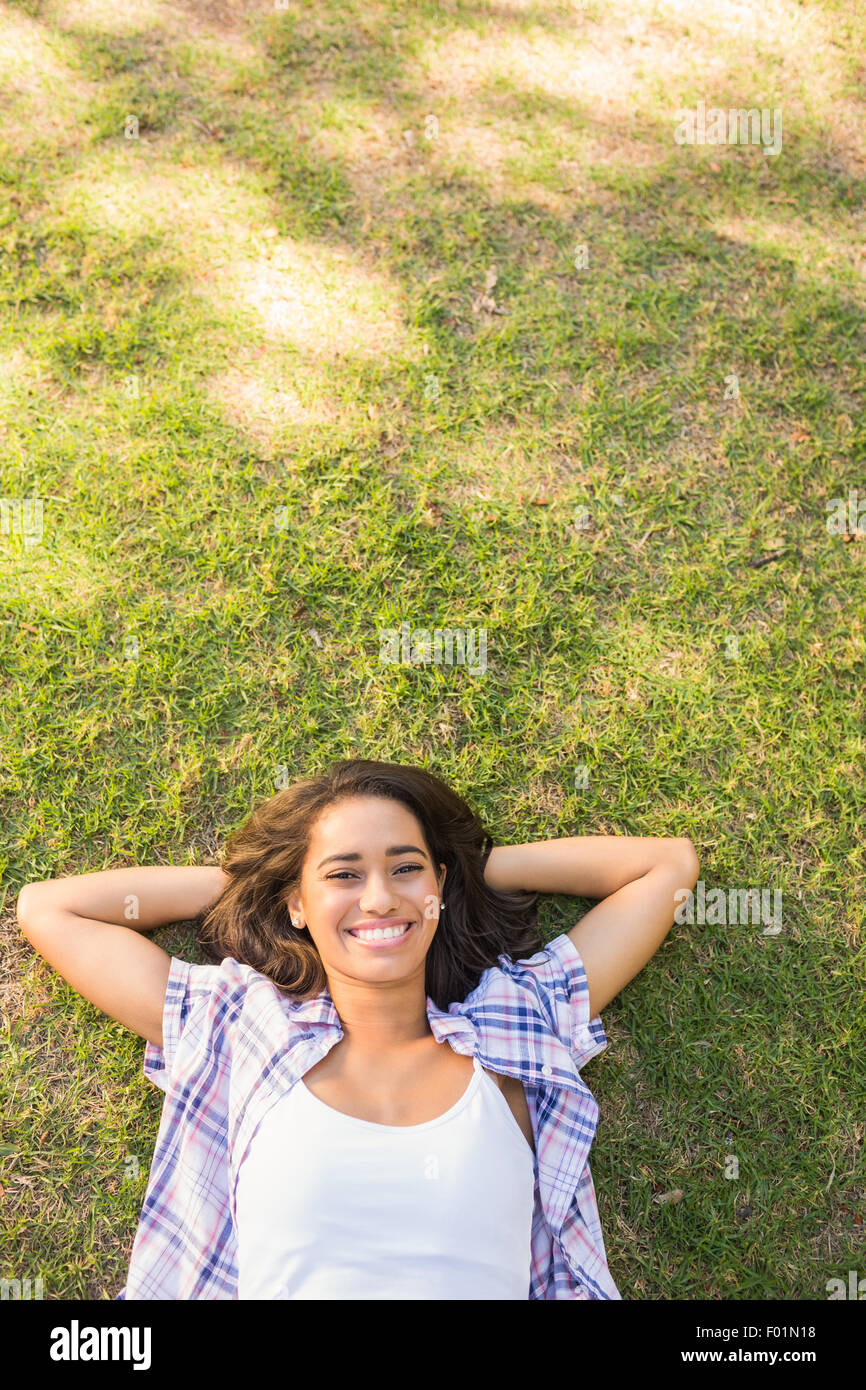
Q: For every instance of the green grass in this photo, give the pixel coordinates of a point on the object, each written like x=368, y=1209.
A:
x=291, y=285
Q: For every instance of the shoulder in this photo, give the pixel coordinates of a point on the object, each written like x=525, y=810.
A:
x=219, y=986
x=555, y=971
x=547, y=992
x=208, y=1010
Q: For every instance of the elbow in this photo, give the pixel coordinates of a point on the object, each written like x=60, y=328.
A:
x=689, y=860
x=21, y=904
x=25, y=904
x=681, y=856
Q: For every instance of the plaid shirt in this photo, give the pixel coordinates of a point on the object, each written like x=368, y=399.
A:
x=233, y=1043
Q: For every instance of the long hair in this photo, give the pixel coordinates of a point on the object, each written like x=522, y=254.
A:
x=264, y=859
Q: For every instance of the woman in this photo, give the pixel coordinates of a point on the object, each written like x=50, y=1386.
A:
x=360, y=920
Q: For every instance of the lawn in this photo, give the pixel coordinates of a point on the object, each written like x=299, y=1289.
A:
x=322, y=320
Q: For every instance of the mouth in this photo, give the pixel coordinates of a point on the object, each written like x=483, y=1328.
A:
x=373, y=936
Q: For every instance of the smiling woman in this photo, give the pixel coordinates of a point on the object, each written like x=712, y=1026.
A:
x=361, y=920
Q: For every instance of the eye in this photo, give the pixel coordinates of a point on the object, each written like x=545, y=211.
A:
x=343, y=872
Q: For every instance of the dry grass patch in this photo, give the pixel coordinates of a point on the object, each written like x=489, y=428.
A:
x=42, y=96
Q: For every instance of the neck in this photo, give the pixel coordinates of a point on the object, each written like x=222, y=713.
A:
x=376, y=1018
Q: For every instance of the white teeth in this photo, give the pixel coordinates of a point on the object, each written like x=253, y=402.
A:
x=382, y=933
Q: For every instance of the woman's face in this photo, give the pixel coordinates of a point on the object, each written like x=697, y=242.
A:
x=368, y=866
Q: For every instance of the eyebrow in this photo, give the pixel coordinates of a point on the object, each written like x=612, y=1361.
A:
x=389, y=854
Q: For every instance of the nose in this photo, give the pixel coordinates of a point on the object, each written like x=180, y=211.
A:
x=379, y=895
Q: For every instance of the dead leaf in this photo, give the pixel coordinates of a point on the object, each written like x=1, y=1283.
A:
x=213, y=131
x=484, y=302
x=663, y=1197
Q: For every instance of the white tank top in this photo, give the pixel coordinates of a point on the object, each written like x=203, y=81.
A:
x=329, y=1206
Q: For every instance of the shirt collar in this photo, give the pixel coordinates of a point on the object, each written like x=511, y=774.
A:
x=320, y=1010
x=543, y=1063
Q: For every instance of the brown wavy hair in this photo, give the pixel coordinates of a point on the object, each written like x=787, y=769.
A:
x=264, y=859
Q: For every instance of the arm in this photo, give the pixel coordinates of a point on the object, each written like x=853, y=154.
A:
x=91, y=929
x=637, y=878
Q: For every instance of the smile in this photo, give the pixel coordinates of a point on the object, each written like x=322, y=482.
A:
x=382, y=936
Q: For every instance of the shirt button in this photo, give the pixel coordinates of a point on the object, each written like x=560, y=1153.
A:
x=547, y=1070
